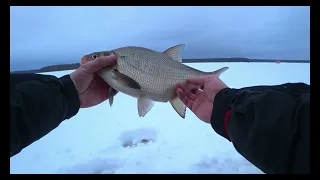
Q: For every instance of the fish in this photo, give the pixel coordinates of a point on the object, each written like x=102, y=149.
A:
x=148, y=75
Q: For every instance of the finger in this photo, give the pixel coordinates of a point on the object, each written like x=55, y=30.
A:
x=101, y=62
x=103, y=84
x=191, y=95
x=199, y=81
x=186, y=90
x=192, y=88
x=199, y=92
x=201, y=95
x=182, y=95
x=181, y=86
x=184, y=98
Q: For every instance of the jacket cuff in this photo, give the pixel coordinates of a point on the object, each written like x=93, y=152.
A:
x=222, y=102
x=71, y=94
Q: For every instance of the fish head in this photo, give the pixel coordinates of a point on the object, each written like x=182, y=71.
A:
x=92, y=56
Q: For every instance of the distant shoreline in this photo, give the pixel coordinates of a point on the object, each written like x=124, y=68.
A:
x=59, y=67
x=73, y=66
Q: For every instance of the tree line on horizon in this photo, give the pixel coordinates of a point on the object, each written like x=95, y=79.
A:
x=58, y=67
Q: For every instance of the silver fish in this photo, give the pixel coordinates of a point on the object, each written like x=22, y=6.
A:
x=148, y=75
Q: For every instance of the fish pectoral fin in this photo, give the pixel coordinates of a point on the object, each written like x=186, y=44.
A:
x=111, y=94
x=175, y=52
x=179, y=106
x=144, y=105
x=125, y=80
x=220, y=71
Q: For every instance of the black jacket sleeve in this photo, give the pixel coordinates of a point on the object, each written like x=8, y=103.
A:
x=268, y=125
x=38, y=104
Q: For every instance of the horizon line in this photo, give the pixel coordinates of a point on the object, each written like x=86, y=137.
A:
x=208, y=60
x=204, y=60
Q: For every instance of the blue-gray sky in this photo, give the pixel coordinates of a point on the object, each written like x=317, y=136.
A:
x=49, y=35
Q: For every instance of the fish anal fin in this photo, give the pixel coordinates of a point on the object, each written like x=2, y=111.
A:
x=144, y=105
x=175, y=52
x=179, y=107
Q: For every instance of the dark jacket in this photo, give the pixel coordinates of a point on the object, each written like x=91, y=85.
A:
x=268, y=125
x=38, y=104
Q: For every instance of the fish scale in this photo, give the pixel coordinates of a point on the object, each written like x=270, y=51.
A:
x=148, y=75
x=153, y=60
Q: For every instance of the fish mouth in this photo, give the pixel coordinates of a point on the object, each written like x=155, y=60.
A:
x=83, y=60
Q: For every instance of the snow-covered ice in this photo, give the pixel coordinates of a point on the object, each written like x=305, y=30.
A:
x=106, y=139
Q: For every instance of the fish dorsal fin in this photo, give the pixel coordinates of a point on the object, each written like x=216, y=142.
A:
x=175, y=52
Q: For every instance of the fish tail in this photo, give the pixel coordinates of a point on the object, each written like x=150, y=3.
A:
x=220, y=71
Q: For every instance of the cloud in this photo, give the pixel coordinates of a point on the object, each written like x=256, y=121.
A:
x=59, y=34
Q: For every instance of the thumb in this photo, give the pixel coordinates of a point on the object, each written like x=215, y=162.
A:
x=101, y=62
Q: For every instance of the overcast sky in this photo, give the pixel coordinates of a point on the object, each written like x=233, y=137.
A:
x=48, y=35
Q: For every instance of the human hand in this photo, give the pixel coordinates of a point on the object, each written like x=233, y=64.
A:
x=92, y=89
x=200, y=101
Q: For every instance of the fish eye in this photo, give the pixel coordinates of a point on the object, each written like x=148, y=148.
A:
x=94, y=56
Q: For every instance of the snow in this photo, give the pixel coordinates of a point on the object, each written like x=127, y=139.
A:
x=104, y=139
